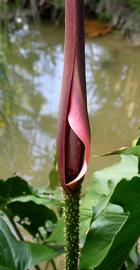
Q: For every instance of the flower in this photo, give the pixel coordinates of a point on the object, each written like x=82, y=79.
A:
x=73, y=139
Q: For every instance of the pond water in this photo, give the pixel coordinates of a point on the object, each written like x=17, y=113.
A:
x=30, y=83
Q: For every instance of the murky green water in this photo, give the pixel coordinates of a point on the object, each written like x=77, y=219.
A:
x=29, y=99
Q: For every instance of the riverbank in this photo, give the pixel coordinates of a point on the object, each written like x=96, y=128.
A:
x=123, y=15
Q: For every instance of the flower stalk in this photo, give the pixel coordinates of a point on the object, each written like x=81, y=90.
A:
x=73, y=138
x=72, y=229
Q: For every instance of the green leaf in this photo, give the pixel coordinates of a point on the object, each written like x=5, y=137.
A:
x=17, y=189
x=20, y=255
x=130, y=265
x=32, y=216
x=126, y=194
x=53, y=179
x=57, y=236
x=4, y=268
x=17, y=198
x=48, y=199
x=101, y=235
x=94, y=206
x=134, y=150
x=13, y=187
x=133, y=259
x=127, y=168
x=53, y=175
x=101, y=188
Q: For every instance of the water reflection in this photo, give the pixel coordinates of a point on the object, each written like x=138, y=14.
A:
x=29, y=97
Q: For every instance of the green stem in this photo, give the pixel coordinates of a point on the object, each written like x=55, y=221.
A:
x=72, y=229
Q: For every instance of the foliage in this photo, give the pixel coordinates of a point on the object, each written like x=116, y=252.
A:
x=54, y=10
x=134, y=4
x=110, y=223
x=20, y=255
x=115, y=219
x=30, y=208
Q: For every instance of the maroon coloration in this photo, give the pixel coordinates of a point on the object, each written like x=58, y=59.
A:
x=74, y=155
x=73, y=141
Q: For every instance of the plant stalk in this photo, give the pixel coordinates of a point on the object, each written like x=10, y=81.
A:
x=72, y=229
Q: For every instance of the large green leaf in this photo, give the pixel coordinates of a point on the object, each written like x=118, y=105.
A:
x=31, y=205
x=125, y=169
x=93, y=211
x=4, y=268
x=17, y=189
x=102, y=187
x=32, y=216
x=109, y=241
x=126, y=194
x=13, y=187
x=101, y=236
x=21, y=255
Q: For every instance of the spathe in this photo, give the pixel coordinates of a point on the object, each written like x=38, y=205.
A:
x=73, y=140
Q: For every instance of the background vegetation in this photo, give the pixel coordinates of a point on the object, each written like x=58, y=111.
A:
x=53, y=8
x=122, y=14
